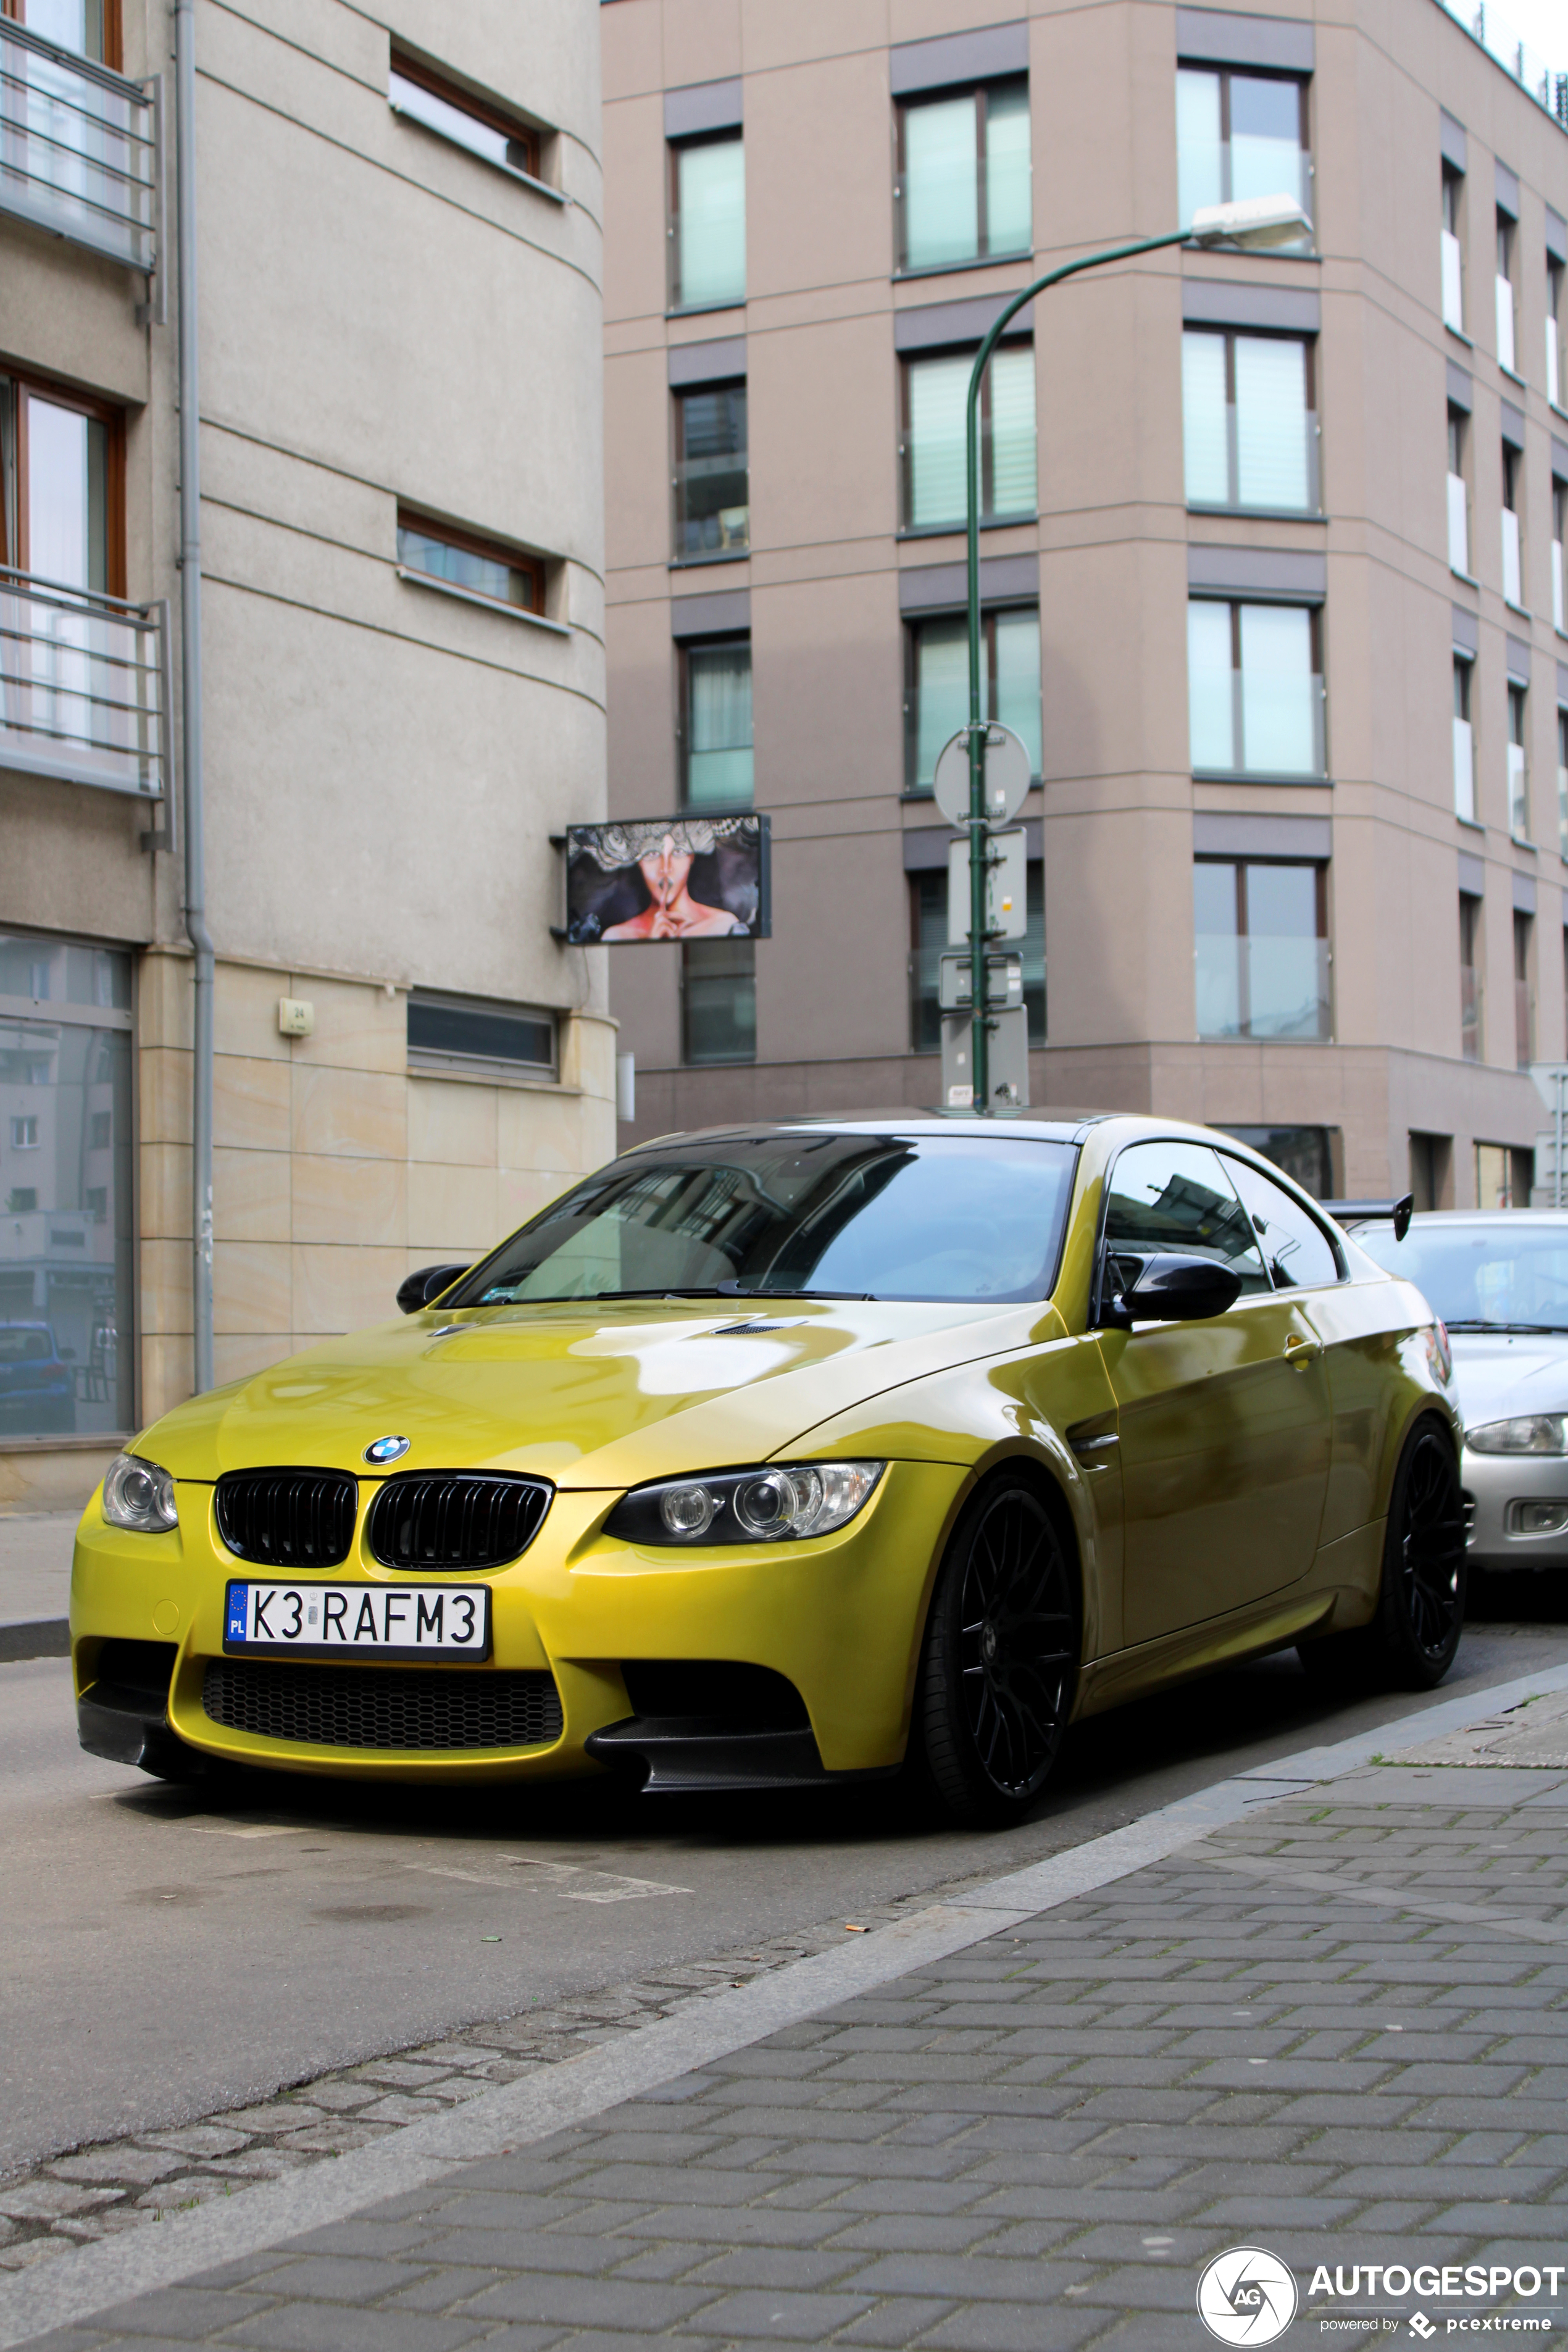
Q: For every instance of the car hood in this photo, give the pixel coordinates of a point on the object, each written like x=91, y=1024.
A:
x=1501, y=1377
x=599, y=1395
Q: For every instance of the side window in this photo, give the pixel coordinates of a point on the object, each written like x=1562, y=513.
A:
x=1298, y=1252
x=1177, y=1196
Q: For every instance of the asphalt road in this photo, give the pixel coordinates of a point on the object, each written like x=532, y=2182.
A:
x=165, y=1952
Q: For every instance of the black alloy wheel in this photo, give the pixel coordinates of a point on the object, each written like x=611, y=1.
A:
x=1411, y=1639
x=1001, y=1660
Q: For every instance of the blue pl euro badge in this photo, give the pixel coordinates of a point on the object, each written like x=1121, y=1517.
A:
x=238, y=1605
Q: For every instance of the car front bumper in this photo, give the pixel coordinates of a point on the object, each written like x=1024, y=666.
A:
x=1503, y=1489
x=837, y=1616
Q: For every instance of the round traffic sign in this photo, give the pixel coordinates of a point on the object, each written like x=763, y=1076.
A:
x=1006, y=776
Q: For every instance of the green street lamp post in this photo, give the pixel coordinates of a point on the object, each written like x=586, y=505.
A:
x=1256, y=222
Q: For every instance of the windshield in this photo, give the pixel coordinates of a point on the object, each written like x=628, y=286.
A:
x=965, y=1218
x=1481, y=1277
x=23, y=1346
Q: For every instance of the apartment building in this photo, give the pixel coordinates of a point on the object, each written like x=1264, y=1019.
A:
x=394, y=309
x=1271, y=556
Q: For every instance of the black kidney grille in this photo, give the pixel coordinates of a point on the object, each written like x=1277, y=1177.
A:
x=383, y=1707
x=455, y=1519
x=288, y=1519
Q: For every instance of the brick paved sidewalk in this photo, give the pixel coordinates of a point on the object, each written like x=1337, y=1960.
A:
x=1338, y=2030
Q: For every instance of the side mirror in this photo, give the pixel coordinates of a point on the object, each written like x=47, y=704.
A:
x=1175, y=1288
x=417, y=1290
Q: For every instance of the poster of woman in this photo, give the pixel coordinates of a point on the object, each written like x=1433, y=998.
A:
x=678, y=877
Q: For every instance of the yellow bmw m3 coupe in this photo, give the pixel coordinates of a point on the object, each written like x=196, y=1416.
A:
x=784, y=1455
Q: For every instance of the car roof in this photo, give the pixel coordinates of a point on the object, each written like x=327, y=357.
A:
x=1055, y=1126
x=1505, y=1217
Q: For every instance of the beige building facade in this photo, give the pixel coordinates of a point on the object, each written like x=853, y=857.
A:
x=1271, y=556
x=398, y=232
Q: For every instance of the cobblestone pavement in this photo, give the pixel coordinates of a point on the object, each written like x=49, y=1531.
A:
x=1337, y=2031
x=109, y=2186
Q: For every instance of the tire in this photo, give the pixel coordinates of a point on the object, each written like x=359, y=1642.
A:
x=999, y=1666
x=1413, y=1635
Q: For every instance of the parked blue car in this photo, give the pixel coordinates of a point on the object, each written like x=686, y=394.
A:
x=38, y=1387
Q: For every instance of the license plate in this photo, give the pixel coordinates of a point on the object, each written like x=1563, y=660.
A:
x=373, y=1621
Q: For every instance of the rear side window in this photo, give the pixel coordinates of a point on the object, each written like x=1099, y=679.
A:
x=1177, y=1196
x=1298, y=1253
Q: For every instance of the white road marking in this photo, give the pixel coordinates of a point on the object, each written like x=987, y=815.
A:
x=590, y=1886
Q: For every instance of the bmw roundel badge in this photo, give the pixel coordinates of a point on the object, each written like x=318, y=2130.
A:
x=386, y=1449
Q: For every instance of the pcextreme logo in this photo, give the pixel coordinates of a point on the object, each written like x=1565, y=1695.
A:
x=1246, y=2295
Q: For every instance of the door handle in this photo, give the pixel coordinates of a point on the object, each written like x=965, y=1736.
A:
x=1298, y=1350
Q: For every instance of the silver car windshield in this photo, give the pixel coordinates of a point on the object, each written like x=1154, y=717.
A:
x=805, y=1215
x=1481, y=1277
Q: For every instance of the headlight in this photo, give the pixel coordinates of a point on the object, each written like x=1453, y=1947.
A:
x=731, y=1506
x=139, y=1496
x=1533, y=1432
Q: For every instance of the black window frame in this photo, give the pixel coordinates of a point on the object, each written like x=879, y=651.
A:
x=429, y=1059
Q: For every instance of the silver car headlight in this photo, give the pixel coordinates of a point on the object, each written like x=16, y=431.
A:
x=137, y=1495
x=1529, y=1432
x=762, y=1506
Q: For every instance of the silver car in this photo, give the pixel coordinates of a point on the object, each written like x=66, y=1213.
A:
x=1499, y=1282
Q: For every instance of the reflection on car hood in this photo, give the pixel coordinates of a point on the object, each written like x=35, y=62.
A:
x=596, y=1395
x=1501, y=1377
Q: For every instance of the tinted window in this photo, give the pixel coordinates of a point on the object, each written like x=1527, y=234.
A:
x=883, y=1216
x=1176, y=1196
x=1481, y=1275
x=1296, y=1249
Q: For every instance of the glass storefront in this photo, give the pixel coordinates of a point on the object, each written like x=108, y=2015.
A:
x=66, y=1229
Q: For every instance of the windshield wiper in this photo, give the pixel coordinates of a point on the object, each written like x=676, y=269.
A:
x=683, y=1290
x=1556, y=1331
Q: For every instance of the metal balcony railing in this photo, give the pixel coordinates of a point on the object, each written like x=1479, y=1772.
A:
x=84, y=689
x=79, y=149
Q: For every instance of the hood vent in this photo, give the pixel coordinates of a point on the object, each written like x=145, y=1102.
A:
x=456, y=1518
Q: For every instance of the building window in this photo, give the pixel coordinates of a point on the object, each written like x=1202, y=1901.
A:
x=1262, y=950
x=1559, y=534
x=1240, y=135
x=929, y=935
x=1458, y=493
x=1464, y=743
x=485, y=129
x=92, y=28
x=936, y=696
x=65, y=1266
x=718, y=1001
x=1512, y=555
x=707, y=223
x=1255, y=687
x=1453, y=249
x=962, y=191
x=936, y=392
x=1505, y=341
x=716, y=703
x=1555, y=373
x=478, y=1037
x=1563, y=782
x=1469, y=977
x=1249, y=421
x=713, y=501
x=1518, y=767
x=1523, y=995
x=1431, y=1159
x=476, y=567
x=61, y=488
x=1504, y=1177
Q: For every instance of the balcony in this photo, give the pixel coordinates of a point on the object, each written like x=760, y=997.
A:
x=83, y=686
x=713, y=506
x=79, y=149
x=1264, y=986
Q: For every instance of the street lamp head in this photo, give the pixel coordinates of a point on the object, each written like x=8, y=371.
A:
x=1257, y=223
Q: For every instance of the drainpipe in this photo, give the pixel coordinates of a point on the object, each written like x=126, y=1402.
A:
x=191, y=695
